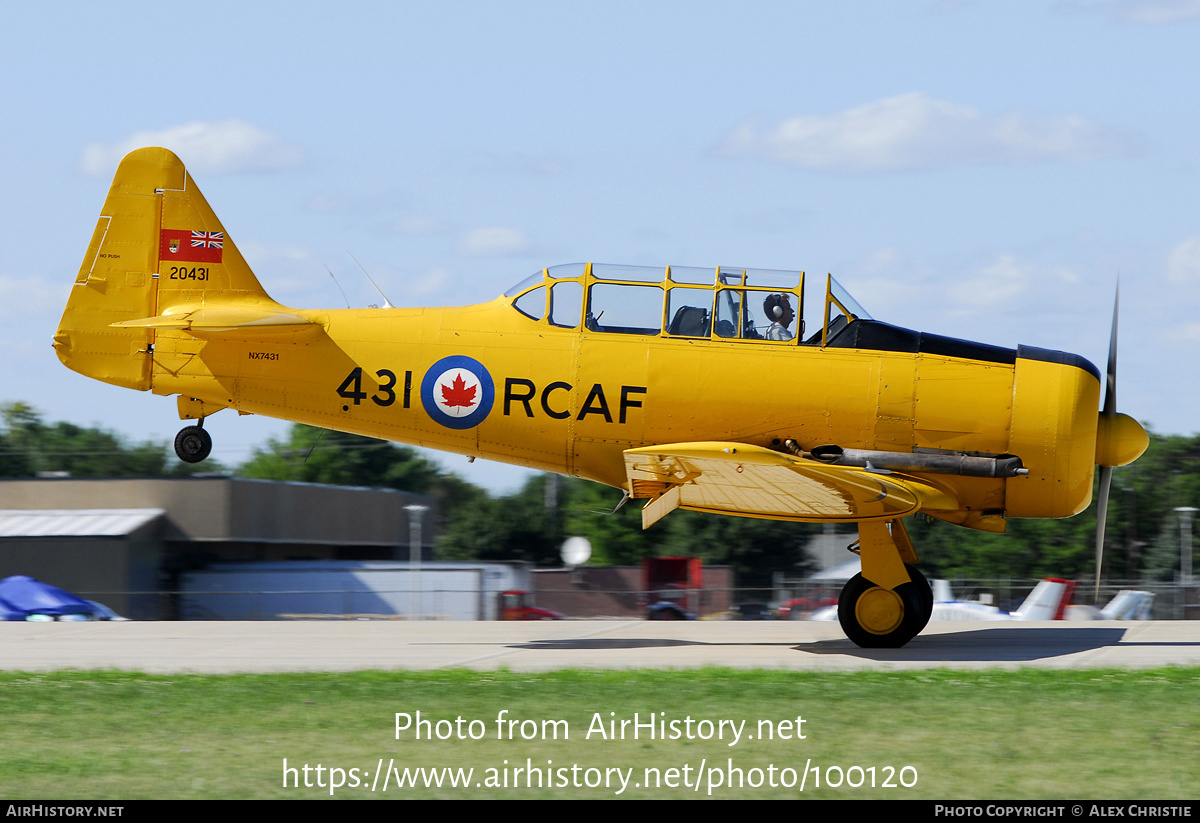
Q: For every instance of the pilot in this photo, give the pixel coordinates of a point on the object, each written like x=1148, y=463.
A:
x=779, y=310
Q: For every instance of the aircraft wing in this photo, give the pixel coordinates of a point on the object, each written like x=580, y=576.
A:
x=737, y=478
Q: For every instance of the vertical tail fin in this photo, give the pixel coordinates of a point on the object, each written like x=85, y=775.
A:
x=1048, y=600
x=159, y=259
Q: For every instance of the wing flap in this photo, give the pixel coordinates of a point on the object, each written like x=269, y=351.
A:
x=736, y=478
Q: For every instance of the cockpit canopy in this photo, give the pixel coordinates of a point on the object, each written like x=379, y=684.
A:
x=726, y=303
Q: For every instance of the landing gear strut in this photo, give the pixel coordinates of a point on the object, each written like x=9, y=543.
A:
x=890, y=601
x=193, y=444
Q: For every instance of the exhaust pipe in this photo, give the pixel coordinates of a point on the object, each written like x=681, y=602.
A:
x=960, y=463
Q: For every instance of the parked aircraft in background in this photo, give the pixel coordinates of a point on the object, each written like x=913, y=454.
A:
x=1049, y=600
x=691, y=388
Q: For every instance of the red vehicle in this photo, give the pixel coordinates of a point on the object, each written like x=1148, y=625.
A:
x=514, y=605
x=672, y=587
x=800, y=607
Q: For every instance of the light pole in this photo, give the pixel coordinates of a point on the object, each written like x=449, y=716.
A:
x=1185, y=543
x=415, y=513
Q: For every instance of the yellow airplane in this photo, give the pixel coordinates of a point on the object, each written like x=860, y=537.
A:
x=691, y=388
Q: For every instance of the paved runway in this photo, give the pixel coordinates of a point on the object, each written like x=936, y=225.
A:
x=221, y=647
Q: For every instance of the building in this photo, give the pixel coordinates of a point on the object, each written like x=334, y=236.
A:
x=128, y=542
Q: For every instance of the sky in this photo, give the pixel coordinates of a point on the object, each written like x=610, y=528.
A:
x=979, y=170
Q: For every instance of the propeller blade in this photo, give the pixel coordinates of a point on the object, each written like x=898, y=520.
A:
x=1101, y=519
x=1110, y=392
x=1110, y=409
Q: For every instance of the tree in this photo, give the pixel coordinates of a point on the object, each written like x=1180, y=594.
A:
x=312, y=455
x=29, y=447
x=513, y=527
x=522, y=526
x=756, y=548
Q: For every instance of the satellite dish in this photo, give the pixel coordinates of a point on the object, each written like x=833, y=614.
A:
x=575, y=551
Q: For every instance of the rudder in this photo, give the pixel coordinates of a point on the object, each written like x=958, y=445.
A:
x=159, y=258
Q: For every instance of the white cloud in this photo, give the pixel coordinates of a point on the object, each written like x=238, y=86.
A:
x=265, y=254
x=209, y=148
x=886, y=259
x=1151, y=12
x=28, y=296
x=997, y=283
x=948, y=7
x=290, y=273
x=322, y=204
x=888, y=280
x=1187, y=333
x=545, y=164
x=1183, y=263
x=418, y=225
x=428, y=282
x=776, y=220
x=494, y=242
x=885, y=277
x=916, y=131
x=1159, y=11
x=1000, y=282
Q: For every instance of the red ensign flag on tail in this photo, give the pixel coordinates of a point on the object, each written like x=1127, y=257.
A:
x=188, y=246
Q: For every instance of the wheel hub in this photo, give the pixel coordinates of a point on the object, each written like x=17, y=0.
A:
x=879, y=611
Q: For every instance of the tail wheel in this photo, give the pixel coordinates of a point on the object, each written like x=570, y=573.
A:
x=193, y=444
x=877, y=618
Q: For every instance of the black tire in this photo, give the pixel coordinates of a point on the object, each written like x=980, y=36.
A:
x=924, y=594
x=193, y=444
x=877, y=618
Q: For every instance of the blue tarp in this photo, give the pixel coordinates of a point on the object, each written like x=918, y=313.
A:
x=22, y=596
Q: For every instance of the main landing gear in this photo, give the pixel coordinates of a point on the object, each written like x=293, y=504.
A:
x=193, y=443
x=887, y=615
x=877, y=618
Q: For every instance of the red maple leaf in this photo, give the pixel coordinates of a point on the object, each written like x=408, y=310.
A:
x=457, y=393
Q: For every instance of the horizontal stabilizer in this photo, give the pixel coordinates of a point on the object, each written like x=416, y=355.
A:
x=219, y=319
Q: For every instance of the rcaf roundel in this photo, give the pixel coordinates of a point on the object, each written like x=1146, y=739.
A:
x=458, y=392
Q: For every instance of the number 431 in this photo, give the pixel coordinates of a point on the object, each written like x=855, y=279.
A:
x=351, y=387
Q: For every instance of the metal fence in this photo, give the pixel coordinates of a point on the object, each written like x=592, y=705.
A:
x=788, y=600
x=1172, y=601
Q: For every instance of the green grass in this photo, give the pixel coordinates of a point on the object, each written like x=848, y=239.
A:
x=969, y=735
